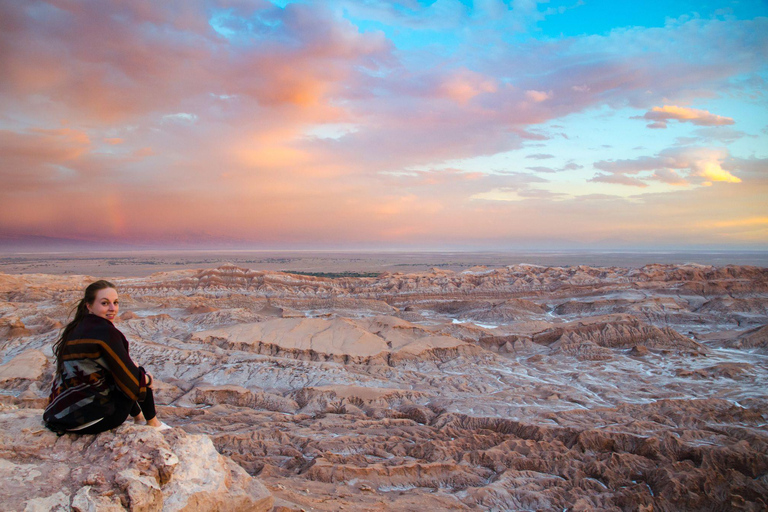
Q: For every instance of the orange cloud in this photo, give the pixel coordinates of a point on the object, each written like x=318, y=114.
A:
x=44, y=145
x=273, y=156
x=661, y=115
x=36, y=157
x=754, y=229
x=748, y=222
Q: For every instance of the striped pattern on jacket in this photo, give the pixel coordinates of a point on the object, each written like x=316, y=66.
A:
x=96, y=378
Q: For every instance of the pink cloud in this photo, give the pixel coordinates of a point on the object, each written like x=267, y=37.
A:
x=538, y=96
x=30, y=159
x=463, y=85
x=116, y=61
x=241, y=165
x=307, y=68
x=661, y=115
x=454, y=186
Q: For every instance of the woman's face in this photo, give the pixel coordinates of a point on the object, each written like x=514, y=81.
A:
x=105, y=305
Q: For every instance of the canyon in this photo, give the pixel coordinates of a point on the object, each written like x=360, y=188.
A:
x=521, y=387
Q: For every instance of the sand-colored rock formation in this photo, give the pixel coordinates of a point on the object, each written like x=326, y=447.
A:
x=338, y=339
x=590, y=338
x=131, y=468
x=514, y=388
x=670, y=455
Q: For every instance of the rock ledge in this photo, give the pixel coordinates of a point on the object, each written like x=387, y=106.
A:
x=133, y=467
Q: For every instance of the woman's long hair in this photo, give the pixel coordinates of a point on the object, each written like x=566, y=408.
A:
x=80, y=311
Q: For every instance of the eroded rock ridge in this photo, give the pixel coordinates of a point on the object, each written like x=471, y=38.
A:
x=516, y=388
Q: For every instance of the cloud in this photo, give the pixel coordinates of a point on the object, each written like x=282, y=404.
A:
x=571, y=166
x=668, y=176
x=713, y=171
x=722, y=134
x=685, y=165
x=245, y=82
x=40, y=157
x=454, y=185
x=633, y=166
x=618, y=179
x=538, y=96
x=181, y=117
x=751, y=168
x=747, y=222
x=113, y=61
x=309, y=63
x=463, y=85
x=662, y=115
x=435, y=177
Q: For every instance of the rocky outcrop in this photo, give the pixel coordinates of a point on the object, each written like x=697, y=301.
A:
x=751, y=339
x=306, y=338
x=338, y=340
x=756, y=338
x=370, y=401
x=484, y=311
x=743, y=312
x=30, y=368
x=515, y=279
x=135, y=468
x=238, y=396
x=617, y=331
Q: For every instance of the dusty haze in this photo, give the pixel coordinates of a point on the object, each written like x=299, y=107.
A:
x=144, y=263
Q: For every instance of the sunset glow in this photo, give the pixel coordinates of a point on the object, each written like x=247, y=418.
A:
x=389, y=125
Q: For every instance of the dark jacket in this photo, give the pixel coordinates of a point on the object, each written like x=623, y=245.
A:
x=96, y=378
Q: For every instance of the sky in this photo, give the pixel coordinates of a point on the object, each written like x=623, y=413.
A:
x=371, y=124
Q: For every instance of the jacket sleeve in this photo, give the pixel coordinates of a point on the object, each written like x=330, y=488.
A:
x=130, y=378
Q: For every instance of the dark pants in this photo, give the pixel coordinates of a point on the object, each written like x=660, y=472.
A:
x=147, y=406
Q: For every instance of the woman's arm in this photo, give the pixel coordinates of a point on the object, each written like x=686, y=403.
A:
x=131, y=379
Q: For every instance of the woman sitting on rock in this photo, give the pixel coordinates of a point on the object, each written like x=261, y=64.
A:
x=97, y=385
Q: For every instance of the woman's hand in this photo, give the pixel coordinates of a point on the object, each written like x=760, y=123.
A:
x=149, y=379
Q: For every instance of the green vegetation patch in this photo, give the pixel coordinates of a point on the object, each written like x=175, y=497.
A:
x=332, y=275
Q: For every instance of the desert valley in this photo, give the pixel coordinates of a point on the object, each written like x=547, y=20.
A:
x=520, y=387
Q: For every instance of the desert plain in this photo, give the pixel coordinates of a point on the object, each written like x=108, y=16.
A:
x=412, y=382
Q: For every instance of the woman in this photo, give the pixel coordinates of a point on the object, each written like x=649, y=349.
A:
x=96, y=385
